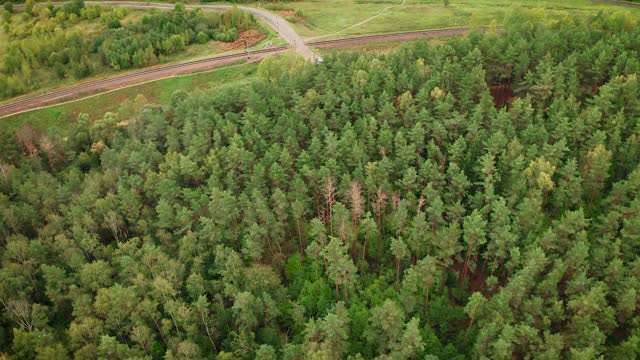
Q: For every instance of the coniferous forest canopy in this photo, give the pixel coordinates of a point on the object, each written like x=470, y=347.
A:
x=476, y=198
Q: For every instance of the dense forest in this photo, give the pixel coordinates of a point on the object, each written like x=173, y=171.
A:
x=49, y=42
x=474, y=198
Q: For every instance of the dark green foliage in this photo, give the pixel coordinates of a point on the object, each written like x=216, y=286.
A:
x=374, y=206
x=166, y=33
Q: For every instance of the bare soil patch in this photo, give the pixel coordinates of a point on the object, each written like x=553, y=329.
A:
x=245, y=39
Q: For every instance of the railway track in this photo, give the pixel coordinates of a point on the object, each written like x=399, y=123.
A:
x=408, y=35
x=27, y=103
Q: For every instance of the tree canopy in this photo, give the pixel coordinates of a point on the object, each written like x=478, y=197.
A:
x=49, y=43
x=474, y=198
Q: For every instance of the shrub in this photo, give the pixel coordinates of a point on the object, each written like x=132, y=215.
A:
x=202, y=38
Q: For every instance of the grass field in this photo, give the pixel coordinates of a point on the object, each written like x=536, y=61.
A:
x=54, y=119
x=335, y=17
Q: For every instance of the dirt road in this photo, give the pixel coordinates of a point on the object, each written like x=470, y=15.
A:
x=279, y=24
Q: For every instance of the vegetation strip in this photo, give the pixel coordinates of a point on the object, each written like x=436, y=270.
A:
x=39, y=101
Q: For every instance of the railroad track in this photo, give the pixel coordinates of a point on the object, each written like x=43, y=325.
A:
x=408, y=35
x=26, y=103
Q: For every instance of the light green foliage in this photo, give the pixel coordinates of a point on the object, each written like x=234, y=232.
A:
x=329, y=17
x=49, y=44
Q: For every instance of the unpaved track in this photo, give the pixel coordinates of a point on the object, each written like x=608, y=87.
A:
x=276, y=22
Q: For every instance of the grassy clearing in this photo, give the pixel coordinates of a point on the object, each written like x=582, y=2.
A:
x=331, y=16
x=54, y=119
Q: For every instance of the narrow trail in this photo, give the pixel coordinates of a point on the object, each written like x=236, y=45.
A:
x=358, y=24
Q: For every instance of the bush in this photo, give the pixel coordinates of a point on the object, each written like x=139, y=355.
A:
x=202, y=38
x=227, y=36
x=113, y=23
x=173, y=44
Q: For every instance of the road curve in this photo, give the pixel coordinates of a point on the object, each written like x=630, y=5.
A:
x=276, y=22
x=26, y=102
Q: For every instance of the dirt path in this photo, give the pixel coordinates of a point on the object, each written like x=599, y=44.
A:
x=276, y=22
x=358, y=24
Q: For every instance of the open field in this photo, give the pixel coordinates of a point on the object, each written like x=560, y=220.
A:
x=335, y=17
x=54, y=119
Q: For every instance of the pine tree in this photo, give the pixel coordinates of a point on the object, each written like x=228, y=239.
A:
x=399, y=251
x=474, y=236
x=340, y=267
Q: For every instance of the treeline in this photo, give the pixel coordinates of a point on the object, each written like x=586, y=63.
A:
x=167, y=33
x=373, y=206
x=47, y=42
